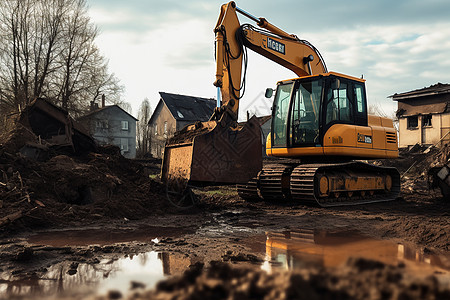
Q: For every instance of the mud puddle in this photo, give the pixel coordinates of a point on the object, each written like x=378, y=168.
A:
x=301, y=249
x=98, y=236
x=121, y=275
x=91, y=261
x=129, y=270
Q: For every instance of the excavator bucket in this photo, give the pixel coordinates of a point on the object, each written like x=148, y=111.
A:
x=213, y=153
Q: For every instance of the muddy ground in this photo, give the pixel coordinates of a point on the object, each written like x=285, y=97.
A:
x=84, y=209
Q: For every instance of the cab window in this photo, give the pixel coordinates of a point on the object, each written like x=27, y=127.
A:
x=280, y=114
x=339, y=106
x=361, y=104
x=305, y=113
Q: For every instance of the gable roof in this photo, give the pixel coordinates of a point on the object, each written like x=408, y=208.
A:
x=424, y=109
x=103, y=109
x=188, y=108
x=439, y=88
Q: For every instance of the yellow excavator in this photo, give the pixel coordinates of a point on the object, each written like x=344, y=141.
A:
x=320, y=129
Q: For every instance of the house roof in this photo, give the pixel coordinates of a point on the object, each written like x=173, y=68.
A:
x=424, y=109
x=103, y=109
x=439, y=88
x=188, y=108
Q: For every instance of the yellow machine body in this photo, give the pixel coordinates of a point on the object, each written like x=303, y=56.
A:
x=348, y=140
x=372, y=137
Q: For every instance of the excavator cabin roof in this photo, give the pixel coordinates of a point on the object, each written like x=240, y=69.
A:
x=329, y=74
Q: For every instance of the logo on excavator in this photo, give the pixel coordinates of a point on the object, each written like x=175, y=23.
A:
x=337, y=140
x=364, y=138
x=275, y=45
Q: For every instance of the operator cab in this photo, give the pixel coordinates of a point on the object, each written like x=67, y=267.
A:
x=305, y=108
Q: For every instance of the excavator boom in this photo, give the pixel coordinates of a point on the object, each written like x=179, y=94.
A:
x=232, y=39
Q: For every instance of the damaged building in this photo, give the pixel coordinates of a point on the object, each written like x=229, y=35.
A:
x=424, y=116
x=54, y=128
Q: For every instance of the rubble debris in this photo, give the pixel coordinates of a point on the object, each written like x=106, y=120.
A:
x=414, y=165
x=440, y=178
x=14, y=216
x=35, y=151
x=54, y=125
x=45, y=180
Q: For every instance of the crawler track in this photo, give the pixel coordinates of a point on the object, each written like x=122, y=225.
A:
x=326, y=185
x=249, y=191
x=274, y=182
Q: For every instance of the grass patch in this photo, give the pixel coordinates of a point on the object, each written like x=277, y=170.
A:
x=217, y=192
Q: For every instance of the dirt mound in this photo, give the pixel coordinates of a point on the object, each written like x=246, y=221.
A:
x=357, y=279
x=414, y=164
x=66, y=188
x=13, y=140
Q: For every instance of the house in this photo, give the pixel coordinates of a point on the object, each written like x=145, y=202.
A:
x=424, y=115
x=112, y=125
x=172, y=113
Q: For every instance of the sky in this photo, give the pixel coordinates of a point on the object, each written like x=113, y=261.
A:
x=168, y=46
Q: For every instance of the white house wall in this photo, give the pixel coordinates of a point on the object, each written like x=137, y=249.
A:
x=424, y=135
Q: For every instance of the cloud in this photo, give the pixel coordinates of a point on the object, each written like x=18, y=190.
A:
x=155, y=46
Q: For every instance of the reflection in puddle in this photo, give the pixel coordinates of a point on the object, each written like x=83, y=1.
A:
x=102, y=237
x=296, y=249
x=304, y=248
x=143, y=270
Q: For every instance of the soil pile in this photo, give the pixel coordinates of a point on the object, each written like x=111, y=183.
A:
x=60, y=188
x=357, y=279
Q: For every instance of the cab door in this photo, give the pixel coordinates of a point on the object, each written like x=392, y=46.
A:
x=280, y=115
x=305, y=113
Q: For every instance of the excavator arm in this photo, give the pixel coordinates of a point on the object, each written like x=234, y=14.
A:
x=232, y=39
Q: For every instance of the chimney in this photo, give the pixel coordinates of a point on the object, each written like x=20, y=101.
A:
x=94, y=106
x=103, y=100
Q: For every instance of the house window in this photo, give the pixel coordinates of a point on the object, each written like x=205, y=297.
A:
x=124, y=145
x=156, y=129
x=124, y=125
x=426, y=121
x=165, y=127
x=413, y=122
x=101, y=124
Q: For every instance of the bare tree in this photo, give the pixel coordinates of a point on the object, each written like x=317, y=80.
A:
x=105, y=83
x=48, y=32
x=79, y=54
x=377, y=110
x=143, y=131
x=47, y=50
